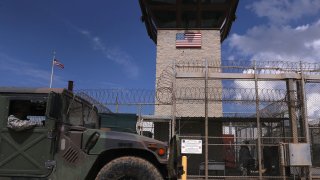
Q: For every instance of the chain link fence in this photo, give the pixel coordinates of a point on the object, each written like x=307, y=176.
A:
x=245, y=113
x=313, y=112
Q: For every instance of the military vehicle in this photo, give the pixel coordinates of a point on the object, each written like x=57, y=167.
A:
x=70, y=143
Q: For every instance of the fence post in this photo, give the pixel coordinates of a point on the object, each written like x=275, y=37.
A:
x=258, y=119
x=206, y=126
x=304, y=114
x=184, y=165
x=173, y=109
x=292, y=108
x=140, y=121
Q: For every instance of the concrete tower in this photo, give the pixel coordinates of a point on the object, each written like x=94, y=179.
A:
x=188, y=30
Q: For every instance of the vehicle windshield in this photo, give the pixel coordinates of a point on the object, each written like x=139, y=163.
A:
x=81, y=113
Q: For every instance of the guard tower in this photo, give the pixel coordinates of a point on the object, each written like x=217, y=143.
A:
x=188, y=30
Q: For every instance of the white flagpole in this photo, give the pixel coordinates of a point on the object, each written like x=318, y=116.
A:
x=51, y=78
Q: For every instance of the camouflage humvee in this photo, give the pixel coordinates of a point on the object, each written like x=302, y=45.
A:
x=70, y=144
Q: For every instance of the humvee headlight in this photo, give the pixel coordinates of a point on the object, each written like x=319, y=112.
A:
x=161, y=151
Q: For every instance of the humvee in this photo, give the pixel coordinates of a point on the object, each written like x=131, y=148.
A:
x=70, y=144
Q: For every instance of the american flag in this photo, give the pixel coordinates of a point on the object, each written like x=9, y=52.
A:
x=57, y=63
x=188, y=40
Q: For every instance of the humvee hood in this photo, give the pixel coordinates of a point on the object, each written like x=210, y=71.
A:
x=132, y=137
x=121, y=140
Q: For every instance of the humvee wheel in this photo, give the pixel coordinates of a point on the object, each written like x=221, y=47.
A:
x=129, y=168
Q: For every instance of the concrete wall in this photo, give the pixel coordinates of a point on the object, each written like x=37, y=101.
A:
x=167, y=53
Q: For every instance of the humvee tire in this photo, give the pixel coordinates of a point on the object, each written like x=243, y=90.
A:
x=129, y=167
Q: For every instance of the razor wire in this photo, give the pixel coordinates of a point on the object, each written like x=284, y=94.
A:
x=119, y=96
x=231, y=95
x=234, y=66
x=245, y=66
x=190, y=94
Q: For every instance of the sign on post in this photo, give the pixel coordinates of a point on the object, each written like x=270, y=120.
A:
x=191, y=146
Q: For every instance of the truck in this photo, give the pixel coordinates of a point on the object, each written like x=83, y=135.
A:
x=70, y=143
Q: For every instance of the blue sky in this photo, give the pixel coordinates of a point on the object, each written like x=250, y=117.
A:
x=103, y=44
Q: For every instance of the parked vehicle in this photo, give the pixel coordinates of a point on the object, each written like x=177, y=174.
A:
x=69, y=143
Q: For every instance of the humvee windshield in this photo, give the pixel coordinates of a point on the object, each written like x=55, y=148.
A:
x=81, y=113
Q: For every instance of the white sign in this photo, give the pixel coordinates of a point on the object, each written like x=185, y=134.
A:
x=191, y=146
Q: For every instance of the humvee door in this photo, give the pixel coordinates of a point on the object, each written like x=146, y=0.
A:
x=26, y=153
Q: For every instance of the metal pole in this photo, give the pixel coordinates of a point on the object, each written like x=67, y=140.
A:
x=237, y=134
x=304, y=114
x=304, y=110
x=52, y=65
x=173, y=123
x=206, y=120
x=140, y=120
x=117, y=104
x=292, y=110
x=258, y=120
x=282, y=161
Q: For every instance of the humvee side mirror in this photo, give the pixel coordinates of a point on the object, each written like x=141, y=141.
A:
x=92, y=141
x=54, y=106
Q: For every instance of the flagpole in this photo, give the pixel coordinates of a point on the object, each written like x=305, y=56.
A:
x=52, y=65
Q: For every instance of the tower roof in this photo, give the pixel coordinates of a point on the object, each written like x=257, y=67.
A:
x=188, y=14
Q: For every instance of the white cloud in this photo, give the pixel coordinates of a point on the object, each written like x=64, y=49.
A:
x=265, y=86
x=22, y=73
x=279, y=43
x=277, y=39
x=244, y=84
x=315, y=44
x=302, y=28
x=283, y=11
x=114, y=54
